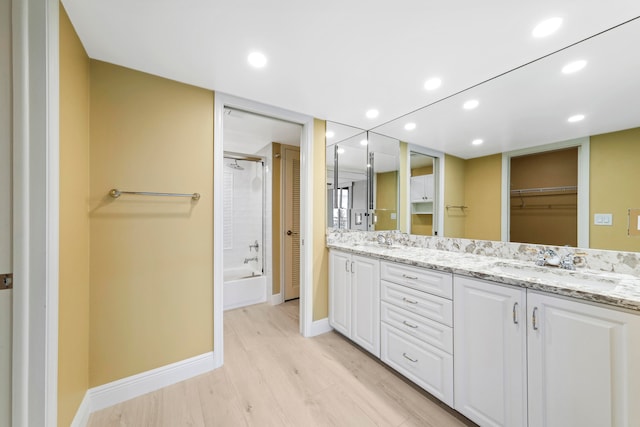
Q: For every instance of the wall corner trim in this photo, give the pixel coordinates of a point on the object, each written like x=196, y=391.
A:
x=319, y=327
x=277, y=298
x=115, y=392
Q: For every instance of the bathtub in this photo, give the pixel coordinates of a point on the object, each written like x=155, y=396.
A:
x=243, y=286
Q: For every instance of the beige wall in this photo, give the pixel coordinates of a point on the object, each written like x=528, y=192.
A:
x=319, y=221
x=454, y=182
x=73, y=308
x=482, y=190
x=614, y=177
x=151, y=258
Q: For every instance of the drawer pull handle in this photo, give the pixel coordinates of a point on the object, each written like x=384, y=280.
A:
x=409, y=324
x=515, y=313
x=406, y=276
x=409, y=301
x=408, y=358
x=346, y=266
x=534, y=319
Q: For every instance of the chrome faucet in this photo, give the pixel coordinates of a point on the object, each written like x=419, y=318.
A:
x=548, y=257
x=568, y=262
x=246, y=260
x=388, y=241
x=254, y=245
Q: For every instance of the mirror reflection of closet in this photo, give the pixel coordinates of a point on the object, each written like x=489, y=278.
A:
x=544, y=198
x=422, y=194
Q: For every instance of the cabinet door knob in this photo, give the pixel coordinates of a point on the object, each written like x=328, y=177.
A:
x=346, y=266
x=534, y=319
x=515, y=313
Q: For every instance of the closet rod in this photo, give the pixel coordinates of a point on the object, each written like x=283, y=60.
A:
x=115, y=193
x=565, y=189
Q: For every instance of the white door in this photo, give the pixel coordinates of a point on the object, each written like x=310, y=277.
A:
x=490, y=362
x=365, y=297
x=6, y=268
x=340, y=292
x=584, y=365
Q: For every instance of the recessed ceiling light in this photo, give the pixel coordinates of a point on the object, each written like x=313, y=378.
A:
x=470, y=104
x=257, y=59
x=547, y=27
x=410, y=126
x=340, y=150
x=574, y=66
x=372, y=114
x=330, y=134
x=576, y=118
x=364, y=142
x=477, y=141
x=432, y=83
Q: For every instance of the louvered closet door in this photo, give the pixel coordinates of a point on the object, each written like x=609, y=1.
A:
x=291, y=236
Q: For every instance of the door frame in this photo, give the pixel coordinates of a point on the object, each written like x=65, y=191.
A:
x=223, y=100
x=35, y=45
x=583, y=145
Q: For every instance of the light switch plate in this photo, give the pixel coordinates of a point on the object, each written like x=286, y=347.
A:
x=603, y=219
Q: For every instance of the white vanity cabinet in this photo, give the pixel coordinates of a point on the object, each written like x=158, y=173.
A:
x=491, y=352
x=416, y=330
x=523, y=357
x=354, y=298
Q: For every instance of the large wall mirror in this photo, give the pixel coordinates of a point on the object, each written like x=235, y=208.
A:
x=587, y=91
x=362, y=179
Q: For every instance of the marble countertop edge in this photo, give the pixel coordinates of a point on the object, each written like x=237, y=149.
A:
x=623, y=291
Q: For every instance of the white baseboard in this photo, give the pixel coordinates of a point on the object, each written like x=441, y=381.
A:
x=84, y=412
x=115, y=392
x=277, y=299
x=320, y=327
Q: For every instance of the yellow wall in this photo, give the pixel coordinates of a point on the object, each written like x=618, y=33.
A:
x=151, y=258
x=614, y=177
x=386, y=200
x=454, y=182
x=73, y=334
x=319, y=221
x=482, y=186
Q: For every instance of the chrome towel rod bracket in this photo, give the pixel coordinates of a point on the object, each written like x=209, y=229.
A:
x=115, y=193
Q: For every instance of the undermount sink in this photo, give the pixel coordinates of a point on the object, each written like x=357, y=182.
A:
x=376, y=245
x=591, y=279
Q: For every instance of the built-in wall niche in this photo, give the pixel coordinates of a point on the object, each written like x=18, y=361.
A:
x=362, y=179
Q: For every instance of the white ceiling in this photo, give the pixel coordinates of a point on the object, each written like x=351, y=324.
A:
x=336, y=59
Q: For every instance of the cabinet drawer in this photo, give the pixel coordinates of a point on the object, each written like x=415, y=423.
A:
x=424, y=329
x=421, y=303
x=424, y=364
x=422, y=279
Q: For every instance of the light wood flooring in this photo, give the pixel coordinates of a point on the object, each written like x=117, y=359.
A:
x=272, y=376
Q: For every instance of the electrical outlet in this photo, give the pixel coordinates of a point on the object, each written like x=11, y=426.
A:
x=603, y=219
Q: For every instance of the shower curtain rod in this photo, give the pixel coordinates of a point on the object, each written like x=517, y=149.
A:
x=238, y=156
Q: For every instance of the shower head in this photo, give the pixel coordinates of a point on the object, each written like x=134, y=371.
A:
x=235, y=166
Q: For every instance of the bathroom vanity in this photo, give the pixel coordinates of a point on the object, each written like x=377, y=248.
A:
x=502, y=341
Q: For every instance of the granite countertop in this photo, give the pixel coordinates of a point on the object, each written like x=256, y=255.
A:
x=615, y=289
